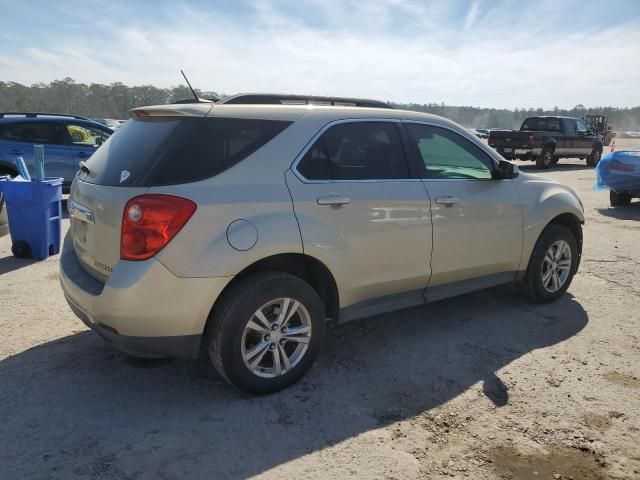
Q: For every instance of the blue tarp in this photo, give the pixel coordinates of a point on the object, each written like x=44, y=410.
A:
x=619, y=171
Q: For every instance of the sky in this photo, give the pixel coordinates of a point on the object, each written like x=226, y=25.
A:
x=486, y=53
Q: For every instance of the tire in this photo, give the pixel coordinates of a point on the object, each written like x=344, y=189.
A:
x=229, y=339
x=619, y=199
x=21, y=249
x=533, y=286
x=594, y=157
x=545, y=159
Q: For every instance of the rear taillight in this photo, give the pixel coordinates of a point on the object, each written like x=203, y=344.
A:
x=622, y=167
x=530, y=142
x=149, y=222
x=489, y=139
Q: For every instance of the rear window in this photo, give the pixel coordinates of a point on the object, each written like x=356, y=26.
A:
x=156, y=151
x=536, y=124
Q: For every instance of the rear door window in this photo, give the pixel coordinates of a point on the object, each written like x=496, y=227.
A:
x=155, y=151
x=46, y=133
x=356, y=151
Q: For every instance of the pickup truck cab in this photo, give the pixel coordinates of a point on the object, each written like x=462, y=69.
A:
x=547, y=139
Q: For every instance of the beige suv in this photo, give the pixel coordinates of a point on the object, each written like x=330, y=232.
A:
x=241, y=229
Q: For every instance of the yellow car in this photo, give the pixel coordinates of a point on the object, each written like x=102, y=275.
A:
x=78, y=134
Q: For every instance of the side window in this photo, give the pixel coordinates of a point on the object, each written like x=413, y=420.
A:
x=85, y=135
x=570, y=127
x=32, y=132
x=582, y=127
x=447, y=155
x=356, y=151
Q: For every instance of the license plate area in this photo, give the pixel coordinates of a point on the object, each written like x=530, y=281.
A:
x=507, y=150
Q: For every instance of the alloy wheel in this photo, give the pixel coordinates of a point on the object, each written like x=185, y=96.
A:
x=556, y=266
x=276, y=337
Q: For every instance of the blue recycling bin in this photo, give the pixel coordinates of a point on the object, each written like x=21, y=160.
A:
x=35, y=216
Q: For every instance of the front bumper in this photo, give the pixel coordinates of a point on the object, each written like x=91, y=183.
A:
x=143, y=308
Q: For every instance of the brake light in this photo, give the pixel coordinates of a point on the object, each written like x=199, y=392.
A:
x=489, y=139
x=530, y=142
x=623, y=167
x=149, y=222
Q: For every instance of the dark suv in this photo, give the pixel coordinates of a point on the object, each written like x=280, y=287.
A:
x=67, y=141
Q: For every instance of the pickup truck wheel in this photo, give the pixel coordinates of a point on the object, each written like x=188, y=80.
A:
x=552, y=265
x=618, y=198
x=545, y=159
x=594, y=158
x=266, y=332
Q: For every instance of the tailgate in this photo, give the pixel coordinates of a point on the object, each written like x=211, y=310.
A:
x=96, y=219
x=509, y=139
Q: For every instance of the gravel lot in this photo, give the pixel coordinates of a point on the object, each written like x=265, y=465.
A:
x=481, y=386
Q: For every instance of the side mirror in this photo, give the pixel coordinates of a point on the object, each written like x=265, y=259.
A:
x=507, y=169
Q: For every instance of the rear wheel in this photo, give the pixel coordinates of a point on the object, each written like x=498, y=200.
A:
x=594, y=158
x=552, y=265
x=618, y=198
x=266, y=332
x=545, y=159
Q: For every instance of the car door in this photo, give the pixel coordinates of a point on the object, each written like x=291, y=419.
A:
x=572, y=141
x=22, y=136
x=477, y=220
x=83, y=139
x=584, y=139
x=362, y=214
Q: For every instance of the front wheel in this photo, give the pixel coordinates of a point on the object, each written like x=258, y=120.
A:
x=266, y=332
x=552, y=265
x=594, y=157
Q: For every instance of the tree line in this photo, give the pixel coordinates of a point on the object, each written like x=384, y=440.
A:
x=98, y=100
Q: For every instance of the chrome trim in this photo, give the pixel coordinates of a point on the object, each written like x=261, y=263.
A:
x=488, y=150
x=309, y=144
x=79, y=211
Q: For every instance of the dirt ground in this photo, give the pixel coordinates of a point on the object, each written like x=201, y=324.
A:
x=483, y=386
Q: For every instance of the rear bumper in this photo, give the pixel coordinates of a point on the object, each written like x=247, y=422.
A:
x=521, y=153
x=143, y=308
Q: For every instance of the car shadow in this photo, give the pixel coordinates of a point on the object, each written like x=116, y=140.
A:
x=76, y=407
x=558, y=167
x=625, y=212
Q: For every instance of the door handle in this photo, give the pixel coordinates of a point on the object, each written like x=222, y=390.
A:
x=16, y=152
x=82, y=154
x=334, y=201
x=448, y=200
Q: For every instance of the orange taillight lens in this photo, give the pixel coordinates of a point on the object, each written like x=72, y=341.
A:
x=149, y=222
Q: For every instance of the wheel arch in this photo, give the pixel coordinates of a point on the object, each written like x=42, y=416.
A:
x=303, y=266
x=573, y=224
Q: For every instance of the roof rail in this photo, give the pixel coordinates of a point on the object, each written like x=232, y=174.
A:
x=41, y=114
x=193, y=100
x=279, y=99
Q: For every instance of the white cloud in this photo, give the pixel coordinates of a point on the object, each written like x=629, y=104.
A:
x=392, y=50
x=471, y=15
